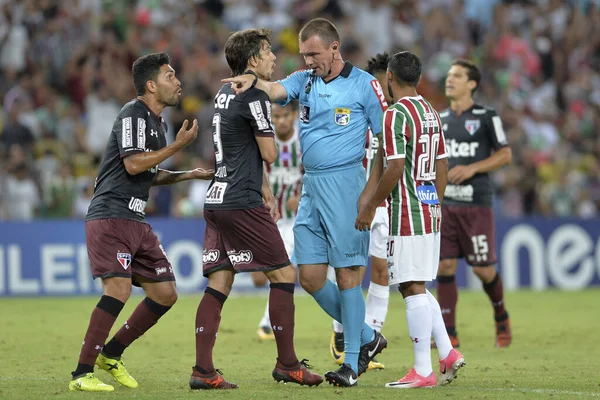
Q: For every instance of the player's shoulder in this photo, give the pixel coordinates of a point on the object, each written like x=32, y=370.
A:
x=484, y=111
x=134, y=108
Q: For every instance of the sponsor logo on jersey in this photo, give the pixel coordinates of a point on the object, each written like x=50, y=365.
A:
x=427, y=194
x=161, y=270
x=459, y=192
x=216, y=193
x=342, y=116
x=210, y=256
x=462, y=149
x=137, y=205
x=127, y=138
x=141, y=133
x=124, y=259
x=379, y=92
x=259, y=116
x=240, y=257
x=472, y=126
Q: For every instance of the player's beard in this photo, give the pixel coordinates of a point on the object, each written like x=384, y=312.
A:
x=390, y=91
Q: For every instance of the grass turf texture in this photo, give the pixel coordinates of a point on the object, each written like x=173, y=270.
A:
x=554, y=354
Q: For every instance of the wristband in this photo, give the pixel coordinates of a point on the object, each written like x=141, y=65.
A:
x=255, y=78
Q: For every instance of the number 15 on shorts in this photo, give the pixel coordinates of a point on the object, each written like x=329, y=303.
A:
x=480, y=248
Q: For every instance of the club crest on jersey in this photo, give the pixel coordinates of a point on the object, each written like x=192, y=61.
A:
x=472, y=126
x=285, y=156
x=124, y=259
x=342, y=116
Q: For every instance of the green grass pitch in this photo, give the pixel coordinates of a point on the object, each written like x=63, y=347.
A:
x=555, y=352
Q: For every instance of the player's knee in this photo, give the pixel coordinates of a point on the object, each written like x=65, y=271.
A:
x=379, y=272
x=259, y=279
x=119, y=288
x=412, y=288
x=282, y=275
x=486, y=273
x=348, y=278
x=447, y=267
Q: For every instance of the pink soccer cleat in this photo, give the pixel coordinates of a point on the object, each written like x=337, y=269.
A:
x=413, y=380
x=450, y=365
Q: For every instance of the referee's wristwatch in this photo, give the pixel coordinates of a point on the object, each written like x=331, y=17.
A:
x=255, y=78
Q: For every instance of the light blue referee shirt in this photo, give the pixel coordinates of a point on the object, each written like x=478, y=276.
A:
x=335, y=115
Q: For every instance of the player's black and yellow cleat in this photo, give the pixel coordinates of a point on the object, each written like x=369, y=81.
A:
x=117, y=369
x=374, y=364
x=265, y=333
x=89, y=383
x=336, y=347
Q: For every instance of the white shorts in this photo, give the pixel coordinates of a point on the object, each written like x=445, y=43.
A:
x=286, y=229
x=413, y=258
x=380, y=230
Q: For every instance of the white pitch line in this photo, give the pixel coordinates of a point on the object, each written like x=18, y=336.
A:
x=530, y=390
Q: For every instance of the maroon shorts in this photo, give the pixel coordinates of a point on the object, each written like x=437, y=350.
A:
x=124, y=248
x=468, y=232
x=247, y=240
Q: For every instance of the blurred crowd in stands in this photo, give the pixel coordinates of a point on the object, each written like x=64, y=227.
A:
x=65, y=72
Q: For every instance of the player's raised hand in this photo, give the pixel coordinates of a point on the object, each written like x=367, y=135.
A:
x=186, y=136
x=240, y=83
x=365, y=218
x=460, y=173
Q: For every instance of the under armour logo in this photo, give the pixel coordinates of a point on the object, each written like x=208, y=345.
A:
x=153, y=133
x=415, y=340
x=98, y=347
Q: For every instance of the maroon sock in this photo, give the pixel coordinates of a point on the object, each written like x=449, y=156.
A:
x=495, y=291
x=281, y=312
x=144, y=317
x=447, y=294
x=103, y=317
x=208, y=318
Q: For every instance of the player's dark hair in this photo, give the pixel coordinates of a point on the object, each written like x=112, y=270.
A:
x=146, y=69
x=379, y=63
x=406, y=68
x=242, y=46
x=322, y=28
x=473, y=73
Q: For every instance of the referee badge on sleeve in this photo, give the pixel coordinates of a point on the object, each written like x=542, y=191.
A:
x=342, y=116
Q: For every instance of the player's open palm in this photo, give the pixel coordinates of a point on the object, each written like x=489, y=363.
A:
x=186, y=136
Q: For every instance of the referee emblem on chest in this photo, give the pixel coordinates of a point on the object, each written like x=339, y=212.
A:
x=342, y=116
x=472, y=126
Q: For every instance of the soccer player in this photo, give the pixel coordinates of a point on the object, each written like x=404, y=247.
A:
x=285, y=176
x=476, y=145
x=414, y=179
x=240, y=212
x=122, y=248
x=338, y=102
x=379, y=292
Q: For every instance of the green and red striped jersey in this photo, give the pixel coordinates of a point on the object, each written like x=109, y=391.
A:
x=412, y=130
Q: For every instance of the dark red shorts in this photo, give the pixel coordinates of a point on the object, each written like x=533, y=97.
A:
x=247, y=240
x=468, y=232
x=124, y=248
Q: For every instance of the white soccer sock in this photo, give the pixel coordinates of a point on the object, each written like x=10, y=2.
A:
x=440, y=335
x=337, y=327
x=377, y=305
x=266, y=320
x=418, y=317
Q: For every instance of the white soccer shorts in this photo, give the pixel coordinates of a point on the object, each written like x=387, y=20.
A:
x=286, y=229
x=380, y=230
x=413, y=258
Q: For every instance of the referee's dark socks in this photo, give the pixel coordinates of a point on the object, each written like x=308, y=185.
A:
x=208, y=318
x=103, y=317
x=281, y=313
x=144, y=317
